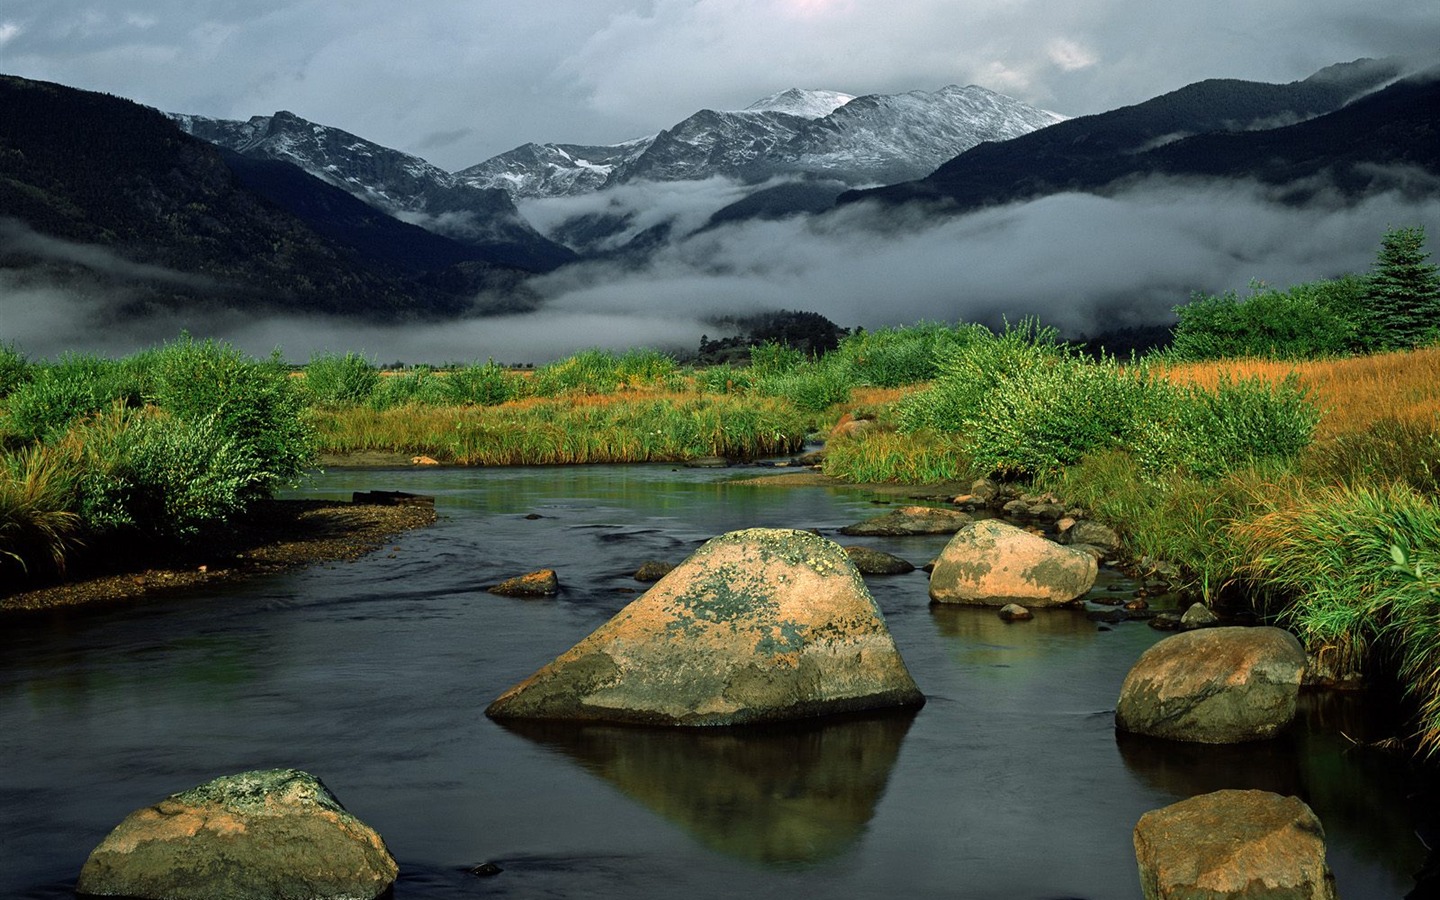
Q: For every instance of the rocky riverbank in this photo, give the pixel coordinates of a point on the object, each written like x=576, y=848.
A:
x=277, y=535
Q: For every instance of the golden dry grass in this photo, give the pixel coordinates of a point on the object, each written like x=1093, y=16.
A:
x=1353, y=394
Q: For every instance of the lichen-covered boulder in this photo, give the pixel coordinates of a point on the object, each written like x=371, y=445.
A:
x=908, y=520
x=1214, y=686
x=276, y=834
x=1247, y=845
x=759, y=625
x=991, y=563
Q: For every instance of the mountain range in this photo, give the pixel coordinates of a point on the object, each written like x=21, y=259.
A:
x=279, y=212
x=1185, y=132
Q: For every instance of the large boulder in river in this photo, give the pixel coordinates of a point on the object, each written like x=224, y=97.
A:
x=757, y=626
x=909, y=520
x=1214, y=686
x=277, y=833
x=991, y=563
x=1247, y=845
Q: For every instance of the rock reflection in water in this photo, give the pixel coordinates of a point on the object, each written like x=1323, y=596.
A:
x=1350, y=787
x=776, y=795
x=988, y=640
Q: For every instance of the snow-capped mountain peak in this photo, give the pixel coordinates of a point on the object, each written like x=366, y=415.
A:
x=803, y=103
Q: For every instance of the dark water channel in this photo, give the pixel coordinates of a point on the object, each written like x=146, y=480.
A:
x=373, y=675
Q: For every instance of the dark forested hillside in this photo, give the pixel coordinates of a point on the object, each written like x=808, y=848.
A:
x=93, y=169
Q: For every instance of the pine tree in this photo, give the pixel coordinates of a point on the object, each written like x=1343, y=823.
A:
x=1402, y=297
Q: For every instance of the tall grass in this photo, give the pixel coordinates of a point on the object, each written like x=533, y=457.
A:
x=884, y=455
x=37, y=527
x=648, y=427
x=1327, y=559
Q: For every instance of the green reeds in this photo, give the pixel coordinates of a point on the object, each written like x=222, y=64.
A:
x=544, y=431
x=882, y=456
x=37, y=527
x=1327, y=559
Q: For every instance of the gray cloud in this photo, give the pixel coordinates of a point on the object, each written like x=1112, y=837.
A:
x=1082, y=263
x=601, y=71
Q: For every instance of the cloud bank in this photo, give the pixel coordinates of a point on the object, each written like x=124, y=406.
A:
x=1082, y=263
x=458, y=81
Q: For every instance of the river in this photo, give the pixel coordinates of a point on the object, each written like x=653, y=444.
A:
x=374, y=674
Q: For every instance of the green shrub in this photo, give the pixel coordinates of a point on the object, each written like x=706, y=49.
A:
x=56, y=395
x=165, y=477
x=1023, y=404
x=1307, y=321
x=773, y=358
x=1208, y=433
x=333, y=381
x=893, y=357
x=813, y=386
x=724, y=379
x=14, y=369
x=477, y=385
x=254, y=404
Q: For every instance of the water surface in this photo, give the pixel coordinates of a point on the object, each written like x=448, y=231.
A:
x=374, y=674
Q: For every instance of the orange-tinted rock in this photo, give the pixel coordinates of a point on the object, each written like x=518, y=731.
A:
x=652, y=571
x=1214, y=686
x=1247, y=845
x=758, y=625
x=908, y=520
x=543, y=583
x=991, y=563
x=252, y=836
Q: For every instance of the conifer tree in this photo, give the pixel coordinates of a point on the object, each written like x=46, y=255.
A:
x=1402, y=297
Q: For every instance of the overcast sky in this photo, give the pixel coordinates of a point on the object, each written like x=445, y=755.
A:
x=457, y=81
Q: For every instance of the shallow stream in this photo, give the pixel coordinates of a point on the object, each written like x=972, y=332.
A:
x=374, y=674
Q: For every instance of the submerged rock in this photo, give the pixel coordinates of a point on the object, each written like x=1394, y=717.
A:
x=652, y=570
x=544, y=583
x=909, y=520
x=276, y=833
x=991, y=563
x=1240, y=844
x=1014, y=612
x=757, y=626
x=1214, y=686
x=877, y=562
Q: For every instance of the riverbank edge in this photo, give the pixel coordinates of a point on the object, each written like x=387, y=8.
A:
x=276, y=536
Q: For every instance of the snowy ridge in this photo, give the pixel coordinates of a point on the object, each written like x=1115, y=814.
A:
x=404, y=186
x=803, y=103
x=873, y=139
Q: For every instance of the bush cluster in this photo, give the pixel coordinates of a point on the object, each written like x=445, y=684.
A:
x=1023, y=404
x=160, y=444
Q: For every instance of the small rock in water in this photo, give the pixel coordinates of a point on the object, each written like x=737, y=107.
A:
x=533, y=517
x=543, y=583
x=486, y=870
x=1166, y=622
x=877, y=562
x=1137, y=604
x=652, y=570
x=1014, y=612
x=1198, y=616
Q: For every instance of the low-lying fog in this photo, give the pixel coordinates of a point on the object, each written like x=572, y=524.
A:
x=1080, y=262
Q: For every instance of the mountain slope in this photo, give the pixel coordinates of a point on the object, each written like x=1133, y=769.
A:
x=1080, y=153
x=138, y=203
x=396, y=183
x=823, y=135
x=884, y=138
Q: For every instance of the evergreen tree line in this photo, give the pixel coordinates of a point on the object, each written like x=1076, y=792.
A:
x=1394, y=307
